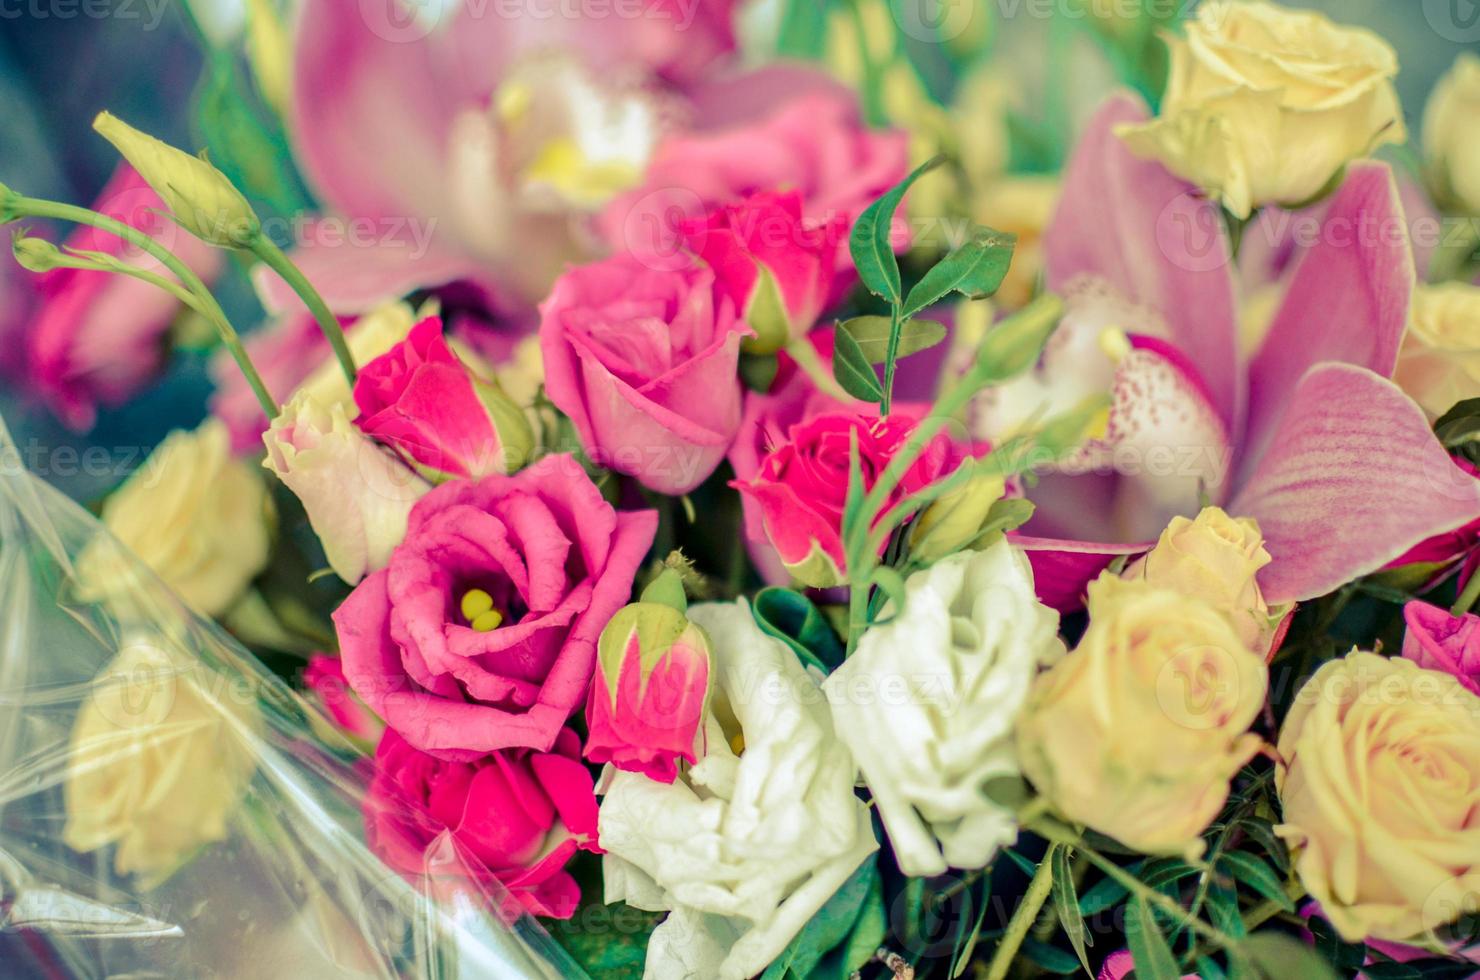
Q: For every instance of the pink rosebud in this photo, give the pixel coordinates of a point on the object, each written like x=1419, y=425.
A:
x=419, y=398
x=652, y=679
x=99, y=337
x=803, y=484
x=1438, y=641
x=644, y=362
x=521, y=814
x=775, y=266
x=324, y=676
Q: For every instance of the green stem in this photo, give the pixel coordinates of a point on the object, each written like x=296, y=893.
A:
x=1052, y=832
x=278, y=261
x=18, y=206
x=891, y=355
x=1467, y=598
x=1023, y=917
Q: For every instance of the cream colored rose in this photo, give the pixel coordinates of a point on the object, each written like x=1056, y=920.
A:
x=161, y=753
x=1138, y=731
x=194, y=514
x=1379, y=785
x=1439, y=363
x=1215, y=558
x=1265, y=105
x=357, y=495
x=1451, y=133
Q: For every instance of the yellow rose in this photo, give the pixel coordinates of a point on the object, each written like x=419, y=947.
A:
x=1379, y=786
x=1215, y=558
x=1139, y=730
x=1451, y=133
x=194, y=514
x=160, y=756
x=1439, y=363
x=1265, y=105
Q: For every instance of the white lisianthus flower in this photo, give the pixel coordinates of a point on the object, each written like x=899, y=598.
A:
x=357, y=495
x=752, y=840
x=928, y=703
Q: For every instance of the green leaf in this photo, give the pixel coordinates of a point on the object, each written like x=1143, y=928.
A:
x=853, y=370
x=830, y=927
x=1261, y=833
x=966, y=941
x=1223, y=910
x=1279, y=957
x=1208, y=969
x=1257, y=875
x=1339, y=953
x=793, y=619
x=892, y=584
x=1149, y=949
x=1050, y=958
x=803, y=30
x=872, y=335
x=975, y=270
x=1459, y=429
x=1066, y=904
x=873, y=253
x=1107, y=894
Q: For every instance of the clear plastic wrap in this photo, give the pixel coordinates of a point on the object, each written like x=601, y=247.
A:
x=170, y=808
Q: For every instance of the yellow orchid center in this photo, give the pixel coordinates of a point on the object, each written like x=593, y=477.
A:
x=1115, y=344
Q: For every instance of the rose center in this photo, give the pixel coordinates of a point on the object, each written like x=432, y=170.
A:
x=478, y=610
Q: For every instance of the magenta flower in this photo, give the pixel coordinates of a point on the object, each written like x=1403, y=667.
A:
x=644, y=361
x=481, y=632
x=99, y=337
x=1438, y=641
x=773, y=265
x=324, y=676
x=420, y=399
x=652, y=682
x=1307, y=436
x=520, y=814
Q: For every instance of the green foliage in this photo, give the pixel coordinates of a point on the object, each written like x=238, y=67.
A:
x=841, y=936
x=853, y=370
x=871, y=333
x=793, y=619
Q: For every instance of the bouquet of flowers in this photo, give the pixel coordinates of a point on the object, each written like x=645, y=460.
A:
x=734, y=484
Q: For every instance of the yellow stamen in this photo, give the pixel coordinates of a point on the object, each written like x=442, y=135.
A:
x=513, y=101
x=475, y=602
x=1115, y=344
x=488, y=622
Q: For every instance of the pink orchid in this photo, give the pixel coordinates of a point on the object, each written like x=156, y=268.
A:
x=1306, y=435
x=1435, y=640
x=434, y=135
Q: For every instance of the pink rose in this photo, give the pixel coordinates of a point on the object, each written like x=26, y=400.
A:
x=324, y=676
x=814, y=143
x=763, y=251
x=644, y=362
x=99, y=337
x=547, y=560
x=419, y=398
x=1438, y=641
x=803, y=484
x=521, y=813
x=764, y=422
x=652, y=682
x=1118, y=966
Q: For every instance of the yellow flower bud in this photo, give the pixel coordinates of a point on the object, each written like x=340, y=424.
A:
x=200, y=197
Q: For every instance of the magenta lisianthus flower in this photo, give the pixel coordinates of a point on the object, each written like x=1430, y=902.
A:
x=1435, y=640
x=774, y=266
x=652, y=683
x=419, y=398
x=480, y=634
x=98, y=337
x=807, y=137
x=644, y=361
x=1305, y=434
x=1120, y=965
x=519, y=814
x=802, y=485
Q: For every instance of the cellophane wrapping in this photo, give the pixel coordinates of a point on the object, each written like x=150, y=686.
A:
x=171, y=808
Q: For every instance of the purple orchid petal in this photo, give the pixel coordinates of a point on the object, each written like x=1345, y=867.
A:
x=1130, y=223
x=1062, y=568
x=1347, y=301
x=1353, y=478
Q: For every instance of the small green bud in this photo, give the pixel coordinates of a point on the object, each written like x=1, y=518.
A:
x=1013, y=346
x=199, y=196
x=37, y=254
